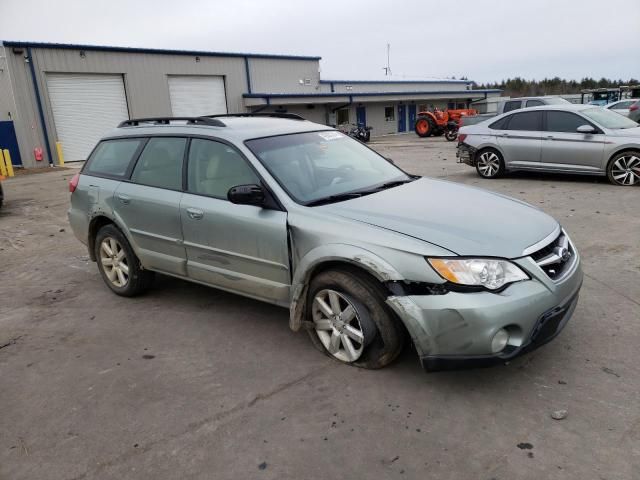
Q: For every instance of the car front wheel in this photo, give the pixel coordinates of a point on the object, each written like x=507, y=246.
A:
x=624, y=169
x=350, y=321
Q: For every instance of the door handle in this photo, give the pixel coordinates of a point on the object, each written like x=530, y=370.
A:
x=124, y=199
x=550, y=137
x=504, y=135
x=194, y=213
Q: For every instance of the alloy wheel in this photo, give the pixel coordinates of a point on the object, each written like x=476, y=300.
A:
x=114, y=262
x=488, y=164
x=337, y=325
x=626, y=170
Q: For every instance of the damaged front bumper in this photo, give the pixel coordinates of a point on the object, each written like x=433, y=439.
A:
x=466, y=154
x=456, y=330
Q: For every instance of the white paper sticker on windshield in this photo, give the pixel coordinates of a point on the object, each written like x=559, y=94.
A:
x=330, y=135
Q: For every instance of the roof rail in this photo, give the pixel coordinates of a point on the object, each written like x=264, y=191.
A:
x=291, y=116
x=134, y=122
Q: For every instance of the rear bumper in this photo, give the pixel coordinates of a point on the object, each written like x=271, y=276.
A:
x=465, y=154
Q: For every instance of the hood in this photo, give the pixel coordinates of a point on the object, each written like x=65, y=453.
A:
x=626, y=132
x=465, y=220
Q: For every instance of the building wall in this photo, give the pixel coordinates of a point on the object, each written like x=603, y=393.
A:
x=373, y=87
x=283, y=75
x=7, y=103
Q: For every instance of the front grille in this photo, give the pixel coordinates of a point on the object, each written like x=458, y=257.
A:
x=556, y=258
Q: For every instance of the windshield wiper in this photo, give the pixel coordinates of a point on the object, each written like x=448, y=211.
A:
x=358, y=193
x=335, y=198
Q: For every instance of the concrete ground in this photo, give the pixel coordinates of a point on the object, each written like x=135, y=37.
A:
x=189, y=382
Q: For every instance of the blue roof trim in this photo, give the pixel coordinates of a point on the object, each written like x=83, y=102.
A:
x=156, y=51
x=394, y=81
x=367, y=94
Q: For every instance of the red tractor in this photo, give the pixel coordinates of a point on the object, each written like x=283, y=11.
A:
x=440, y=122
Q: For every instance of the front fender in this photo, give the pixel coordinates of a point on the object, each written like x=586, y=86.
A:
x=345, y=253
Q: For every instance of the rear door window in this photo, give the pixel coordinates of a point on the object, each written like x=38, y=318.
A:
x=531, y=121
x=564, y=122
x=512, y=105
x=112, y=158
x=160, y=164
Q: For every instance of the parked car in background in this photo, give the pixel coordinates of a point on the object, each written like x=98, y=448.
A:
x=634, y=112
x=514, y=104
x=561, y=138
x=302, y=216
x=622, y=106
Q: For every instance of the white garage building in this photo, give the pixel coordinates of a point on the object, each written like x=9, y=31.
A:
x=73, y=94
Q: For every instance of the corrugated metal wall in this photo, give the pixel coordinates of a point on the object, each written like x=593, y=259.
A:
x=374, y=87
x=145, y=77
x=7, y=104
x=283, y=76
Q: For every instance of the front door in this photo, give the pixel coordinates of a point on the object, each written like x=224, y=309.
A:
x=9, y=142
x=563, y=148
x=402, y=118
x=521, y=139
x=149, y=205
x=240, y=248
x=361, y=116
x=412, y=116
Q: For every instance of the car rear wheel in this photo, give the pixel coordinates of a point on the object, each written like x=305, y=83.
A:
x=350, y=321
x=489, y=163
x=624, y=169
x=118, y=265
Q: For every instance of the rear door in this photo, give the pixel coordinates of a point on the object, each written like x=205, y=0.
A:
x=149, y=205
x=240, y=248
x=566, y=149
x=521, y=139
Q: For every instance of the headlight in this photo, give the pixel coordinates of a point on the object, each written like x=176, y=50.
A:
x=485, y=272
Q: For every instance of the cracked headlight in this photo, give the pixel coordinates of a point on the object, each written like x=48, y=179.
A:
x=490, y=273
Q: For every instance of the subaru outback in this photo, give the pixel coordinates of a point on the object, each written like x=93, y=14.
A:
x=363, y=254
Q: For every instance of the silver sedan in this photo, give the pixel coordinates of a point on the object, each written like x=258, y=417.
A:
x=555, y=138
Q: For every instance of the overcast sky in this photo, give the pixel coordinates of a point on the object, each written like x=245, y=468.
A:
x=483, y=40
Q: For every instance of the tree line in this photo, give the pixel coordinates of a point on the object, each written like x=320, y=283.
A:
x=520, y=87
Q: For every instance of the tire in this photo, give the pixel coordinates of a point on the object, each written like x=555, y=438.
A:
x=118, y=265
x=383, y=336
x=424, y=126
x=451, y=135
x=489, y=163
x=623, y=169
x=367, y=136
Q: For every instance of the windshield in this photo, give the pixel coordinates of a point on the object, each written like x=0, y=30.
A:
x=608, y=119
x=314, y=166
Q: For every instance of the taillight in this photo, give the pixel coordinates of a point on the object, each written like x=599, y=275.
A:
x=634, y=107
x=73, y=183
x=461, y=137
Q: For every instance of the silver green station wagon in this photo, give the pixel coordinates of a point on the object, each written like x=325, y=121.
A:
x=363, y=254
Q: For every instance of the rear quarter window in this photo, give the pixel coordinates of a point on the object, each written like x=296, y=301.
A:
x=112, y=158
x=512, y=105
x=499, y=124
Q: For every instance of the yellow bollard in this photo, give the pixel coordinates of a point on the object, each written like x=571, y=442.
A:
x=3, y=169
x=60, y=155
x=7, y=161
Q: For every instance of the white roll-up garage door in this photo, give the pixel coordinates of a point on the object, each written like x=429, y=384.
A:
x=85, y=107
x=197, y=95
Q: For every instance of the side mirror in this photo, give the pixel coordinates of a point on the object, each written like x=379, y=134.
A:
x=390, y=160
x=586, y=129
x=246, y=195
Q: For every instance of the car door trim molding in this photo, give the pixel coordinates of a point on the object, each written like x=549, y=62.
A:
x=233, y=254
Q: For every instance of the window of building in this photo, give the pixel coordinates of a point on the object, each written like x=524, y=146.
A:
x=342, y=116
x=160, y=164
x=513, y=105
x=214, y=168
x=112, y=157
x=531, y=121
x=423, y=108
x=389, y=114
x=564, y=122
